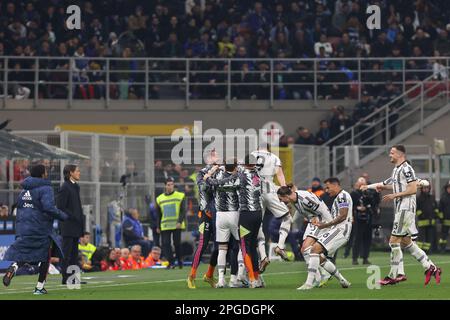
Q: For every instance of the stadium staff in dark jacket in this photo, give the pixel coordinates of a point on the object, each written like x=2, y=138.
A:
x=36, y=240
x=427, y=212
x=444, y=215
x=68, y=200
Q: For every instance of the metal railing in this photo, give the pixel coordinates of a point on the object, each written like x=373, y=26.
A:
x=150, y=79
x=396, y=120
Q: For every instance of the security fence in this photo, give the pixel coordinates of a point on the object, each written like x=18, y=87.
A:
x=143, y=80
x=129, y=171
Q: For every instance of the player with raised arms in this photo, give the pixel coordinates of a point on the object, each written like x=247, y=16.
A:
x=403, y=184
x=270, y=166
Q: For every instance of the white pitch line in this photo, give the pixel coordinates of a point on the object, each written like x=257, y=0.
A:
x=180, y=280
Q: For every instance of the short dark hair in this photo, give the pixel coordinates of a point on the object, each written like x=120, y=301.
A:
x=37, y=171
x=399, y=147
x=333, y=180
x=67, y=170
x=284, y=191
x=86, y=233
x=230, y=164
x=169, y=179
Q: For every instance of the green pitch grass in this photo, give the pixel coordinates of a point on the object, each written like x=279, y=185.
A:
x=282, y=279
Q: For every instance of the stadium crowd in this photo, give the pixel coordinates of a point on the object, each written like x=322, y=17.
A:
x=245, y=30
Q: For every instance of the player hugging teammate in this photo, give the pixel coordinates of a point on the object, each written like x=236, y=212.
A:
x=326, y=231
x=240, y=195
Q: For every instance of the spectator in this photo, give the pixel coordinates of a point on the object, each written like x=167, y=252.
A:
x=125, y=263
x=333, y=83
x=324, y=133
x=363, y=109
x=4, y=210
x=374, y=79
x=346, y=47
x=381, y=47
x=339, y=122
x=259, y=20
x=16, y=78
x=111, y=262
x=154, y=258
x=316, y=187
x=323, y=43
x=133, y=231
x=442, y=43
x=395, y=64
x=389, y=94
x=136, y=260
x=306, y=138
x=440, y=71
x=422, y=40
x=85, y=248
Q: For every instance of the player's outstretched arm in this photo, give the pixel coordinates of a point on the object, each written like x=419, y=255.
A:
x=280, y=177
x=379, y=186
x=411, y=188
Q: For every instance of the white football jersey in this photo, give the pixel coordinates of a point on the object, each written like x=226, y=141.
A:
x=311, y=206
x=402, y=175
x=270, y=163
x=343, y=200
x=269, y=166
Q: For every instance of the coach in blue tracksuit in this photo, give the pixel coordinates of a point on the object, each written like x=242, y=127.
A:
x=35, y=237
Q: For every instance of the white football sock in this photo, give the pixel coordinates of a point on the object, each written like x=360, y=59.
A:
x=396, y=257
x=261, y=244
x=221, y=263
x=241, y=269
x=420, y=255
x=306, y=256
x=285, y=227
x=40, y=285
x=332, y=269
x=314, y=261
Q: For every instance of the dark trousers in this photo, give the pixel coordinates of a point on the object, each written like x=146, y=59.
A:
x=156, y=236
x=427, y=235
x=70, y=251
x=444, y=235
x=363, y=239
x=166, y=237
x=249, y=224
x=349, y=245
x=207, y=232
x=146, y=246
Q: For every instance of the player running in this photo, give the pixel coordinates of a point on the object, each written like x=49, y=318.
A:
x=403, y=183
x=206, y=228
x=313, y=209
x=270, y=165
x=333, y=235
